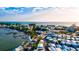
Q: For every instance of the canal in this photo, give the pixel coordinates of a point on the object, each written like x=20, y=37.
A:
x=9, y=39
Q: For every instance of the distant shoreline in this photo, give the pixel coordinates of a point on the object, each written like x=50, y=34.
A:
x=44, y=23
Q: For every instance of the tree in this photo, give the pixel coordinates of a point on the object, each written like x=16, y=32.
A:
x=77, y=28
x=71, y=29
x=32, y=30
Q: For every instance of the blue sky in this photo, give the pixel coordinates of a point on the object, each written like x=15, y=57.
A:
x=39, y=14
x=5, y=11
x=13, y=13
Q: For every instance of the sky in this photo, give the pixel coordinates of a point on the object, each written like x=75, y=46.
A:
x=19, y=13
x=40, y=14
x=63, y=14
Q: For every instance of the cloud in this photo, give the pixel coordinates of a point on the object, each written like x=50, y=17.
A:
x=5, y=11
x=67, y=14
x=40, y=9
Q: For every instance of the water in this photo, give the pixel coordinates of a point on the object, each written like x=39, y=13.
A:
x=7, y=39
x=19, y=22
x=45, y=23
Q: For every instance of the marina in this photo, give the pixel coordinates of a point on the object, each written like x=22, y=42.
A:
x=38, y=37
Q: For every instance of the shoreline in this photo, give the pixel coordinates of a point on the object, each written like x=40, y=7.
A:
x=46, y=38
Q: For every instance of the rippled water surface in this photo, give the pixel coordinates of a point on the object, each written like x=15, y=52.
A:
x=9, y=40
